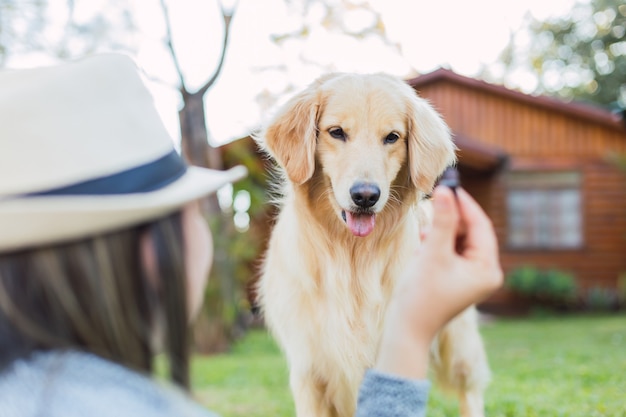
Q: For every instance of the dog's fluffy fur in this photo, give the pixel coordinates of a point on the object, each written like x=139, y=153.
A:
x=331, y=265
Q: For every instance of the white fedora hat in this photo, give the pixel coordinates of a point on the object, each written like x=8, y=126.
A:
x=83, y=151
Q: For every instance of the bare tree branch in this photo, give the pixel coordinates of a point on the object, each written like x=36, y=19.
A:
x=227, y=16
x=170, y=46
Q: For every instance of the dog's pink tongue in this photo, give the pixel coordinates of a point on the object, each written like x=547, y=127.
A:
x=360, y=224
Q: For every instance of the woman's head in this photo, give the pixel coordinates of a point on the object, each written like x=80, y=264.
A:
x=93, y=203
x=97, y=295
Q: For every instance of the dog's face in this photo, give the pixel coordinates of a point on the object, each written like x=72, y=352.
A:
x=361, y=146
x=362, y=129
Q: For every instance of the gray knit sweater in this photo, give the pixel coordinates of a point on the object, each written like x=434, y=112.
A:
x=79, y=385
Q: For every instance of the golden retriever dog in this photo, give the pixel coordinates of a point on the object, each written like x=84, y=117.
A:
x=359, y=153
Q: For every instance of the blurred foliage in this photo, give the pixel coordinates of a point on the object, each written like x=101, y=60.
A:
x=581, y=55
x=245, y=152
x=309, y=18
x=251, y=242
x=601, y=299
x=229, y=298
x=334, y=15
x=621, y=288
x=17, y=22
x=52, y=29
x=551, y=286
x=617, y=159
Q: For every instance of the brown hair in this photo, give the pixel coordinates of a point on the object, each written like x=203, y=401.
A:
x=95, y=295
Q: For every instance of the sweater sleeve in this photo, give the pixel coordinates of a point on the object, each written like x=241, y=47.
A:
x=385, y=395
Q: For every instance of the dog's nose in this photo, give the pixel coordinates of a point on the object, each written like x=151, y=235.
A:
x=364, y=195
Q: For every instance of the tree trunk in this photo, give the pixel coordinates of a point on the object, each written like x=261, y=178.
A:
x=194, y=141
x=217, y=328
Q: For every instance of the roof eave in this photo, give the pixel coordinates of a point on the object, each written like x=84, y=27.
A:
x=573, y=109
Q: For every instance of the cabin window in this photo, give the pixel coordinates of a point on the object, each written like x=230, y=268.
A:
x=544, y=210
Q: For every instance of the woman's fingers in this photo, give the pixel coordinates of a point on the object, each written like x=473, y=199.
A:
x=481, y=248
x=480, y=233
x=442, y=233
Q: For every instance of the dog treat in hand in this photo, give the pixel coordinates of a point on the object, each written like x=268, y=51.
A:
x=450, y=178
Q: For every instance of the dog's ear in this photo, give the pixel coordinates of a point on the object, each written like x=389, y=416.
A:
x=292, y=135
x=430, y=144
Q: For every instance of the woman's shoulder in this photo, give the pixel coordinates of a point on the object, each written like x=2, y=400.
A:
x=77, y=384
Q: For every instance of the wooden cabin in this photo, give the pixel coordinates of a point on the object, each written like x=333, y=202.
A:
x=542, y=170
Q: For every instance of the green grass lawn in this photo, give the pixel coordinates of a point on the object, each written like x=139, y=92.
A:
x=549, y=367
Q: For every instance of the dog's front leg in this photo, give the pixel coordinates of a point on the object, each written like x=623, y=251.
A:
x=315, y=397
x=309, y=395
x=460, y=362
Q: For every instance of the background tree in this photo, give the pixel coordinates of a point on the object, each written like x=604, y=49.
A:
x=22, y=22
x=582, y=55
x=41, y=30
x=339, y=21
x=225, y=314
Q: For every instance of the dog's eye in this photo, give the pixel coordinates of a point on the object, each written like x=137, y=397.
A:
x=337, y=133
x=392, y=138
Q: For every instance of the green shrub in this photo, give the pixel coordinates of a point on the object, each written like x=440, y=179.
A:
x=600, y=299
x=523, y=280
x=621, y=288
x=560, y=285
x=548, y=286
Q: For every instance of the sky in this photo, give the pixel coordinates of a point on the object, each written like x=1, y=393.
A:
x=458, y=34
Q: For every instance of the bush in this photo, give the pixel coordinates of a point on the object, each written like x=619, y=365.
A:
x=551, y=286
x=601, y=299
x=621, y=289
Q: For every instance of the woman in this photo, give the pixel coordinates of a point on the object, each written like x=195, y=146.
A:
x=104, y=255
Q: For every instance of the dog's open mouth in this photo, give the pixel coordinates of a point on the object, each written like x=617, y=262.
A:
x=360, y=223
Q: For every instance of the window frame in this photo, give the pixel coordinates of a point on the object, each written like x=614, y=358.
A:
x=544, y=181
